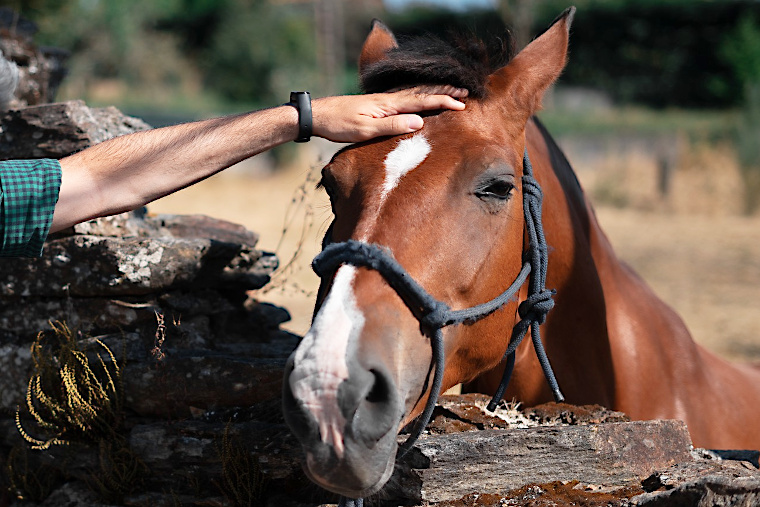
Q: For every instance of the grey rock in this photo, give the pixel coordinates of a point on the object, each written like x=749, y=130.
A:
x=196, y=445
x=92, y=266
x=138, y=224
x=60, y=129
x=15, y=361
x=182, y=384
x=750, y=456
x=26, y=317
x=73, y=494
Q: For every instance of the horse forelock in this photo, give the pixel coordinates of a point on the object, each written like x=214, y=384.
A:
x=462, y=61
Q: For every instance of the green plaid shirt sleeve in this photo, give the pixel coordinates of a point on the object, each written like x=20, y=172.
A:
x=28, y=194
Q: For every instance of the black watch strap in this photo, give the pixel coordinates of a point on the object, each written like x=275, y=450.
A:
x=302, y=102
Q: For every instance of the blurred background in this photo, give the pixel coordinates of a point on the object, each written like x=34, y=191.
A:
x=658, y=111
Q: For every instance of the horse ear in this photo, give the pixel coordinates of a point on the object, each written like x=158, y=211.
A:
x=379, y=41
x=526, y=78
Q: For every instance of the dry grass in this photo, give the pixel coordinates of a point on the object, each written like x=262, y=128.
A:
x=71, y=398
x=700, y=259
x=707, y=268
x=243, y=483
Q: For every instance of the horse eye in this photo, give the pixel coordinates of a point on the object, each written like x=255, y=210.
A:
x=327, y=186
x=498, y=189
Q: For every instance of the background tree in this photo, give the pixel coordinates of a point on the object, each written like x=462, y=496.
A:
x=741, y=48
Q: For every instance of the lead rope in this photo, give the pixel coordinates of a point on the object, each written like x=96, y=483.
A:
x=434, y=315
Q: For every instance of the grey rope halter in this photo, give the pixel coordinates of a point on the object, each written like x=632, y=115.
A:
x=433, y=315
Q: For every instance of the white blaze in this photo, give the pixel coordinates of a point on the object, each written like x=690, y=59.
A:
x=408, y=154
x=320, y=360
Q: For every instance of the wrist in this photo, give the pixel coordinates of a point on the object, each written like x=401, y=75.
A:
x=317, y=112
x=288, y=115
x=332, y=119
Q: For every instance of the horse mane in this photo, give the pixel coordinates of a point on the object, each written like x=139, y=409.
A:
x=464, y=61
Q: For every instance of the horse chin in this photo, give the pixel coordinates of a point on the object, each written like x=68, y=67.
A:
x=361, y=471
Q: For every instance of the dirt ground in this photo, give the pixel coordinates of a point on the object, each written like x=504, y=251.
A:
x=707, y=267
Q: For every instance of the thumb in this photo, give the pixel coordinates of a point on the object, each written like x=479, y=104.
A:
x=413, y=121
x=399, y=124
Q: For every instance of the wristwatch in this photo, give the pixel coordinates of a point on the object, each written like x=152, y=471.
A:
x=302, y=102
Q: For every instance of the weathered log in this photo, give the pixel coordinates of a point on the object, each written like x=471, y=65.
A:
x=702, y=482
x=447, y=467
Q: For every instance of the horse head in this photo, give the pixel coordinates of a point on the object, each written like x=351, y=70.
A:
x=445, y=203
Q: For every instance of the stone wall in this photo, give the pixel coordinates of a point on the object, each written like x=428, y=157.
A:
x=168, y=295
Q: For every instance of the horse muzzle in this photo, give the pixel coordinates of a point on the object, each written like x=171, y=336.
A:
x=347, y=426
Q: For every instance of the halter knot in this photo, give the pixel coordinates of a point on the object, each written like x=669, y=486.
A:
x=531, y=187
x=437, y=317
x=536, y=306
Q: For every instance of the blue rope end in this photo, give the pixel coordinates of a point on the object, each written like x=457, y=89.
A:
x=492, y=406
x=558, y=396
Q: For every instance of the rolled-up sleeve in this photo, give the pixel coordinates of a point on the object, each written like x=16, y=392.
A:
x=28, y=195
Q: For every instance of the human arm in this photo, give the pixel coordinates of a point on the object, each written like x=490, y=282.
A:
x=127, y=172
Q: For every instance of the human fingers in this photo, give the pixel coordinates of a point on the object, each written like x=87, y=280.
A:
x=424, y=98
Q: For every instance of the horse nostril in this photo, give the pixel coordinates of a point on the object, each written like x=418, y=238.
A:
x=378, y=410
x=380, y=391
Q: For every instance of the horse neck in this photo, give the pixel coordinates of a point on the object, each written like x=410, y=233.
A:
x=605, y=315
x=612, y=341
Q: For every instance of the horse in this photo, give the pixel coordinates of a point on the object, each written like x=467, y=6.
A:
x=446, y=204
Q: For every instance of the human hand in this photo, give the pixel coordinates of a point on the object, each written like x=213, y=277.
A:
x=355, y=118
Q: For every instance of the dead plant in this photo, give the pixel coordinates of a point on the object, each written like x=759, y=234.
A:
x=68, y=397
x=27, y=481
x=300, y=210
x=242, y=482
x=120, y=472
